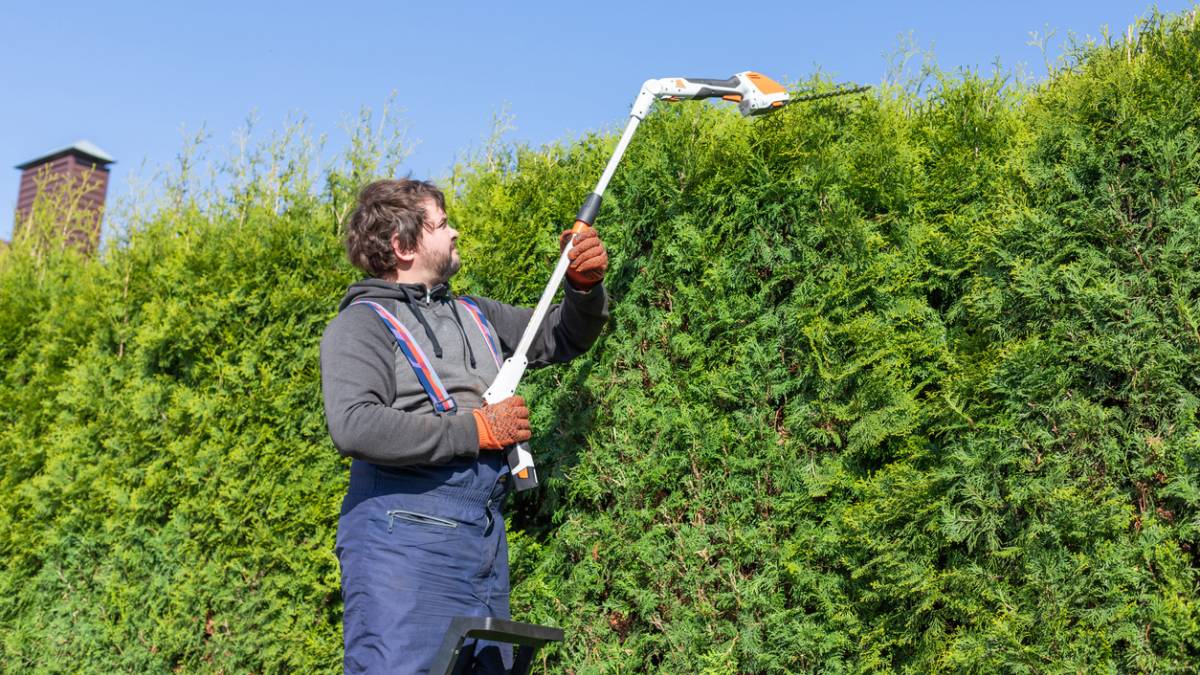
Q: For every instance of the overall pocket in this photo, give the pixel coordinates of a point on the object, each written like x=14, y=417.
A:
x=408, y=528
x=414, y=517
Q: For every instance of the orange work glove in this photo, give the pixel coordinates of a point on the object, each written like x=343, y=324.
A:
x=589, y=260
x=503, y=424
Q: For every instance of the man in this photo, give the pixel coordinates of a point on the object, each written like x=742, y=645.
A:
x=404, y=367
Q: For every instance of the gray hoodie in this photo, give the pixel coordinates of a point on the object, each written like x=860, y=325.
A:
x=375, y=407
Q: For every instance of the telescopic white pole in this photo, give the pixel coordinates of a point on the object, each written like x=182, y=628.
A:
x=613, y=161
x=748, y=89
x=506, y=383
x=520, y=459
x=560, y=270
x=543, y=306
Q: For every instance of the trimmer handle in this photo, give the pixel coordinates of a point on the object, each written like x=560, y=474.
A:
x=521, y=467
x=587, y=212
x=695, y=88
x=754, y=93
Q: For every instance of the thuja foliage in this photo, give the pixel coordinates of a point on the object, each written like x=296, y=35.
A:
x=893, y=383
x=169, y=495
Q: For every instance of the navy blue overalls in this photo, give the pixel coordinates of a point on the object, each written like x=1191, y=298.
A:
x=419, y=546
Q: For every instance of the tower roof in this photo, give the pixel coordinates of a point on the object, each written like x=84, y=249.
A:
x=85, y=148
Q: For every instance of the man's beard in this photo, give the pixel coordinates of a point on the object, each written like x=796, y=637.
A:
x=444, y=266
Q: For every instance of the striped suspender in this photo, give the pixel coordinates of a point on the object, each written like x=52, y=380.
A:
x=441, y=399
x=484, y=327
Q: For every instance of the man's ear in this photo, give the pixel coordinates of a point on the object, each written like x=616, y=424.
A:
x=403, y=256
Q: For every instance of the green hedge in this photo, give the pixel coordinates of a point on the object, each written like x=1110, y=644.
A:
x=893, y=382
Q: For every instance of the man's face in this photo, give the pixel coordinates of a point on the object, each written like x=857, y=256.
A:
x=437, y=253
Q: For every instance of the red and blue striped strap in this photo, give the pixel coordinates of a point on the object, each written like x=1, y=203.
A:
x=484, y=327
x=442, y=401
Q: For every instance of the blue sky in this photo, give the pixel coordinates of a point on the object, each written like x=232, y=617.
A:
x=131, y=76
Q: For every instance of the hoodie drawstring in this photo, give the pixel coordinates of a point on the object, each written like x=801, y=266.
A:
x=412, y=305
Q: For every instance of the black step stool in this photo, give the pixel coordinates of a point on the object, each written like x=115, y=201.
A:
x=451, y=661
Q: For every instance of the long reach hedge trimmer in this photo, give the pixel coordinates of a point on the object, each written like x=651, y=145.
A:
x=755, y=95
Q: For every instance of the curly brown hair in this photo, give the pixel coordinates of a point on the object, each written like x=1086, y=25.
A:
x=386, y=209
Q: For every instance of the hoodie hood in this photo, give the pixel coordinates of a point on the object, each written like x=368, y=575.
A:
x=414, y=296
x=378, y=289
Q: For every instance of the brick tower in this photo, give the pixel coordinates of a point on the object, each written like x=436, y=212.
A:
x=77, y=175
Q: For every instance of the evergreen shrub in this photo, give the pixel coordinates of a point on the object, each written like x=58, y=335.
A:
x=896, y=382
